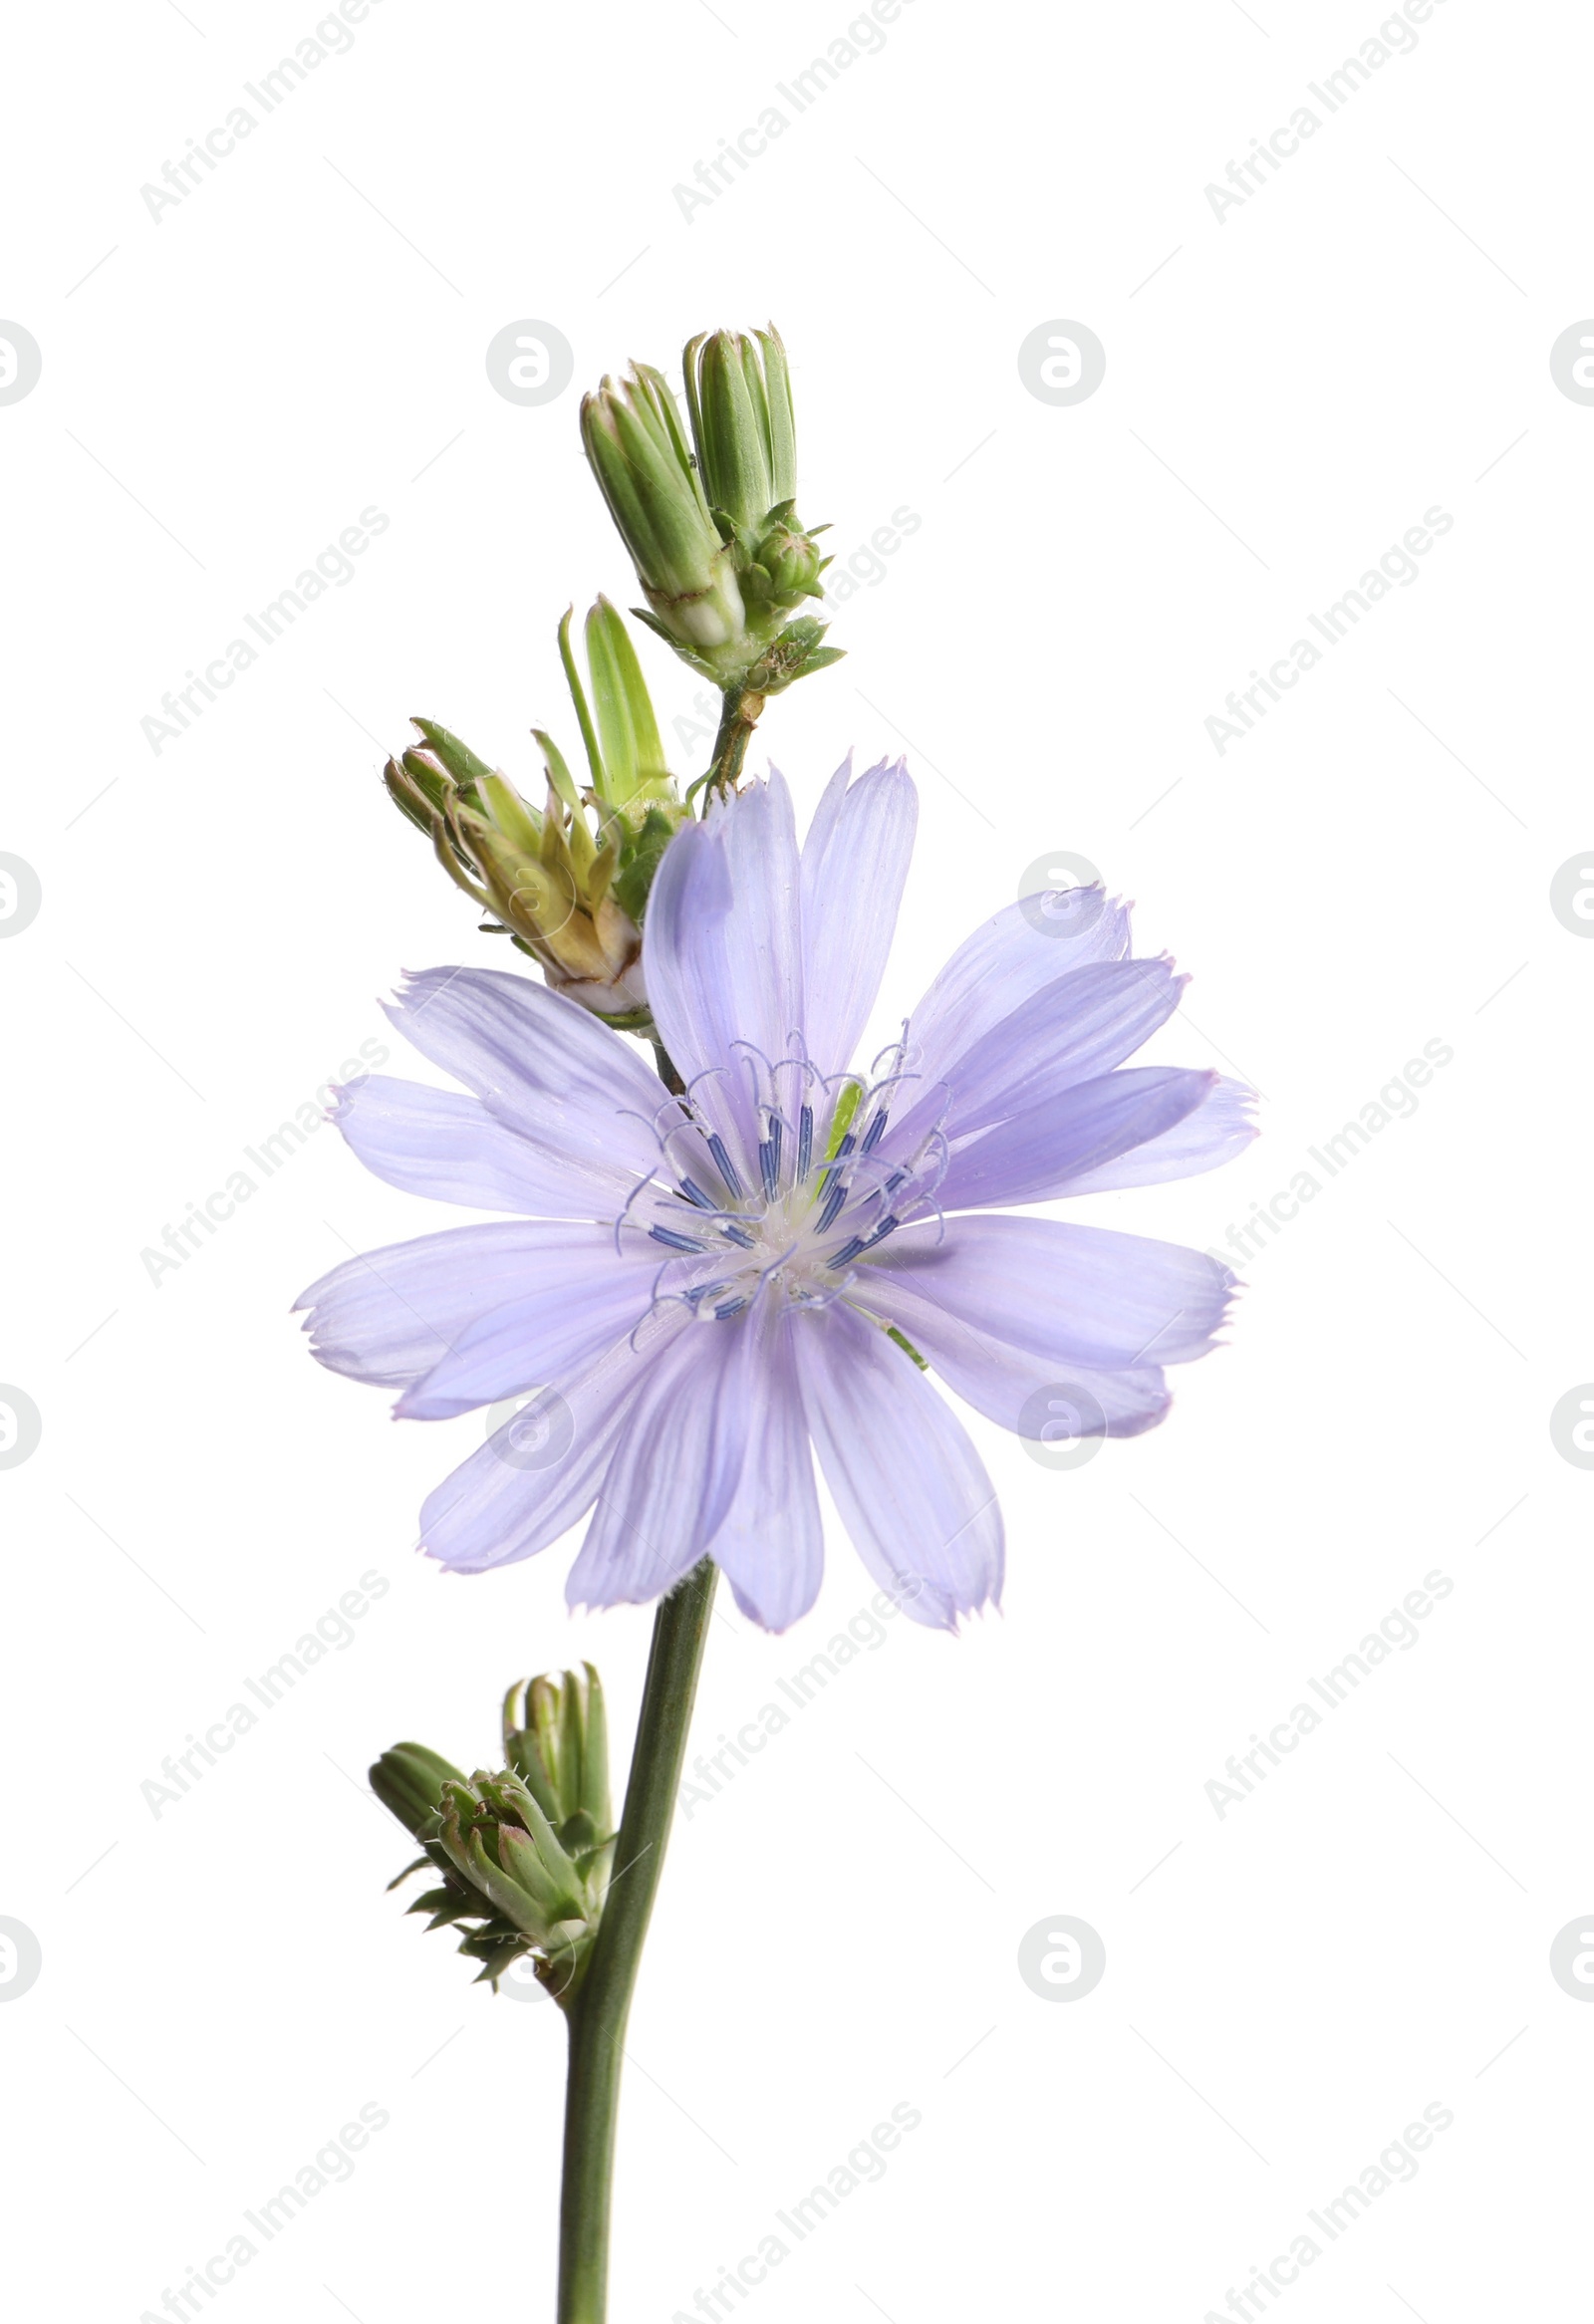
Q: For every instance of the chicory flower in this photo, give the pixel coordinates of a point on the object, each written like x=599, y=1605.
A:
x=711, y=1288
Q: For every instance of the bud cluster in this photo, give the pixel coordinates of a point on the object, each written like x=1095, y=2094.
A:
x=707, y=509
x=569, y=880
x=525, y=1854
x=712, y=528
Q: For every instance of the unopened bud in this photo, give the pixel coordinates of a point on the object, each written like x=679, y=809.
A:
x=738, y=394
x=632, y=437
x=712, y=530
x=568, y=882
x=524, y=1854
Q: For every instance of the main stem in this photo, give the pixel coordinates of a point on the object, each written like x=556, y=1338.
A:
x=603, y=2005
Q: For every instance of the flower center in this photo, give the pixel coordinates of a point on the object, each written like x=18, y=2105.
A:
x=781, y=1194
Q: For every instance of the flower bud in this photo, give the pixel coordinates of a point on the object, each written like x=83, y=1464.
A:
x=526, y=1852
x=789, y=560
x=715, y=536
x=633, y=438
x=742, y=423
x=409, y=1781
x=568, y=882
x=498, y=1838
x=556, y=1739
x=738, y=394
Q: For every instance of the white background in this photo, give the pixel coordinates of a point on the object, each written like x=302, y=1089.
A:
x=303, y=336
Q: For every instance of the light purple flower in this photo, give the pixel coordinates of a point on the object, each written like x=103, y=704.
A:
x=718, y=1286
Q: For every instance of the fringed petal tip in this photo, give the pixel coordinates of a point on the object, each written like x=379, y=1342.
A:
x=932, y=1607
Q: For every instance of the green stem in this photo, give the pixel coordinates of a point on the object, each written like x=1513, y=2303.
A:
x=739, y=714
x=599, y=2013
